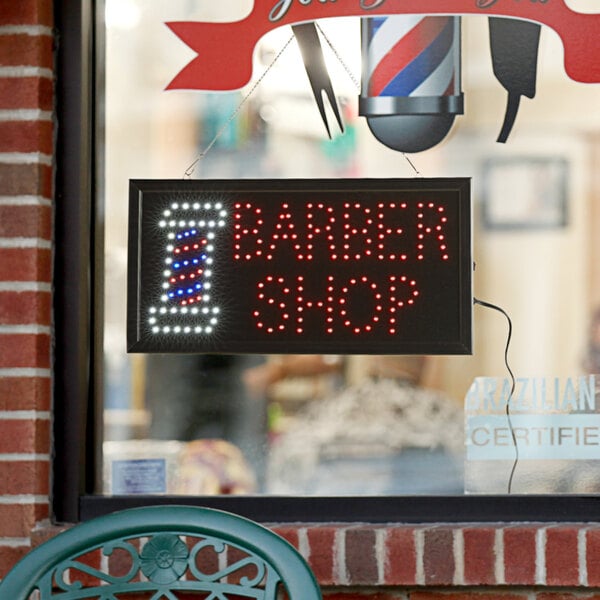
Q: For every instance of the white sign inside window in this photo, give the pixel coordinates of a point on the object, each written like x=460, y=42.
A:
x=536, y=431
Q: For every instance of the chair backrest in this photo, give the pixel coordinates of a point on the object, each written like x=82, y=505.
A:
x=161, y=551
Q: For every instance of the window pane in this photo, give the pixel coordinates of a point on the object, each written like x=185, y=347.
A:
x=323, y=424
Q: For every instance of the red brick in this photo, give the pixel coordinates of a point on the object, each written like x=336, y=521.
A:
x=560, y=596
x=593, y=557
x=322, y=551
x=290, y=534
x=519, y=555
x=26, y=350
x=25, y=477
x=360, y=595
x=20, y=308
x=9, y=556
x=491, y=595
x=26, y=50
x=25, y=264
x=17, y=520
x=25, y=180
x=24, y=435
x=31, y=12
x=479, y=556
x=562, y=563
x=438, y=556
x=25, y=393
x=26, y=136
x=26, y=93
x=361, y=556
x=40, y=535
x=25, y=221
x=401, y=556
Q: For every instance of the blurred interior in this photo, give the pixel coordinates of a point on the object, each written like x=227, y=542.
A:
x=541, y=270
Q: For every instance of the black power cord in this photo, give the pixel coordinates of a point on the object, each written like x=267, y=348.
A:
x=513, y=383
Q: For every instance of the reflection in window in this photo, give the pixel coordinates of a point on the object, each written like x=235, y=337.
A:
x=196, y=424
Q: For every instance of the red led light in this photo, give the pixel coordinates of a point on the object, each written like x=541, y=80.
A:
x=317, y=232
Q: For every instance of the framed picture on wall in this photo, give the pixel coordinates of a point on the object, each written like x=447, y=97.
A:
x=525, y=193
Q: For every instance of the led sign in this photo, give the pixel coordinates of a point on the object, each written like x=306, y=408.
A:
x=301, y=266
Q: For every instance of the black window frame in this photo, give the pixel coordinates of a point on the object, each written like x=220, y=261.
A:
x=78, y=349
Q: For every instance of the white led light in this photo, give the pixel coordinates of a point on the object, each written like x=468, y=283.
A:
x=174, y=206
x=216, y=310
x=202, y=223
x=168, y=261
x=152, y=310
x=211, y=224
x=195, y=310
x=167, y=213
x=155, y=329
x=184, y=310
x=185, y=205
x=196, y=205
x=163, y=310
x=181, y=223
x=165, y=286
x=173, y=310
x=209, y=329
x=177, y=329
x=170, y=248
x=167, y=273
x=172, y=223
x=162, y=223
x=209, y=261
x=210, y=235
x=213, y=321
x=207, y=286
x=210, y=248
x=152, y=320
x=198, y=329
x=207, y=205
x=206, y=298
x=192, y=223
x=164, y=298
x=218, y=206
x=207, y=273
x=166, y=329
x=221, y=223
x=187, y=329
x=171, y=236
x=205, y=311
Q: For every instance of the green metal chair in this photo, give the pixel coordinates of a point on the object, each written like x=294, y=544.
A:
x=168, y=553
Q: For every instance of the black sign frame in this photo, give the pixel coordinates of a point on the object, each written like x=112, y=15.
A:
x=438, y=330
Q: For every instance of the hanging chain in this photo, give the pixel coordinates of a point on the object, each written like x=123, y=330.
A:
x=190, y=170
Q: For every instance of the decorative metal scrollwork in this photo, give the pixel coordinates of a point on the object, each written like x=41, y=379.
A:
x=164, y=559
x=165, y=564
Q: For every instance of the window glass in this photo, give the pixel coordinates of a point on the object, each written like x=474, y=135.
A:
x=328, y=424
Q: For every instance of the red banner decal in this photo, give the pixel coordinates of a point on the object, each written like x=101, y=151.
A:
x=225, y=50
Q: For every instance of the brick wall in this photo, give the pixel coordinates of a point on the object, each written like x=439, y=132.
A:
x=26, y=142
x=515, y=562
x=517, y=556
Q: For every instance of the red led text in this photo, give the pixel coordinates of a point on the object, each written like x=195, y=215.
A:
x=358, y=252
